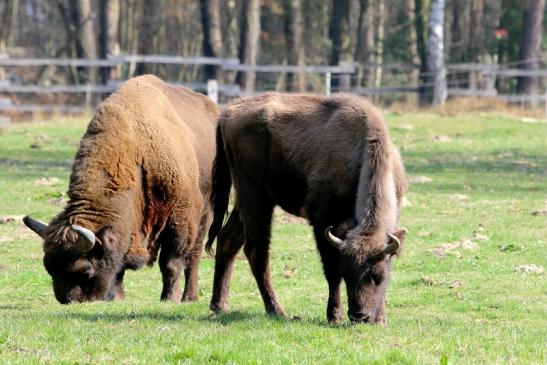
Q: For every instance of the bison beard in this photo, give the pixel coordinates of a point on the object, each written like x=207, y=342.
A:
x=328, y=159
x=140, y=185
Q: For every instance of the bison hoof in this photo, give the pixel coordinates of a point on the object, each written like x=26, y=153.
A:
x=190, y=298
x=219, y=308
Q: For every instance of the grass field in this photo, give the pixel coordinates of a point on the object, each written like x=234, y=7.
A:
x=459, y=293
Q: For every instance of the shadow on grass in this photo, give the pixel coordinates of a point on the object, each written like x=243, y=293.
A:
x=494, y=161
x=226, y=319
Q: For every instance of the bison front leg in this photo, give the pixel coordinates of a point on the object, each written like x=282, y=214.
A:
x=171, y=262
x=329, y=257
x=229, y=242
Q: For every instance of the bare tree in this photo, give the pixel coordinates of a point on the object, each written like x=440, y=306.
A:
x=212, y=37
x=8, y=17
x=295, y=48
x=87, y=35
x=414, y=51
x=435, y=51
x=531, y=44
x=109, y=14
x=248, y=46
x=147, y=37
x=338, y=33
x=364, y=52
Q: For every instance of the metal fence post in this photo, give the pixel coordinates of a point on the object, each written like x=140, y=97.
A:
x=212, y=90
x=327, y=83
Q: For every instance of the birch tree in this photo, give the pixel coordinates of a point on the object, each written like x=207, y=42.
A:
x=435, y=52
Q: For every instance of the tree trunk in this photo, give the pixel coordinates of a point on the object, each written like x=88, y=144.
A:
x=295, y=49
x=435, y=51
x=9, y=15
x=364, y=52
x=530, y=46
x=422, y=49
x=212, y=37
x=149, y=25
x=414, y=53
x=86, y=35
x=8, y=18
x=248, y=47
x=380, y=44
x=338, y=31
x=476, y=40
x=108, y=36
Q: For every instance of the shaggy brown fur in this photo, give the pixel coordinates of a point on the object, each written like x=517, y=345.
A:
x=328, y=159
x=141, y=182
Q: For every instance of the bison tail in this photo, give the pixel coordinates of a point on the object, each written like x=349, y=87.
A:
x=220, y=196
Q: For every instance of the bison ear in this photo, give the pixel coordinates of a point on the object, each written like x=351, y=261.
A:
x=38, y=227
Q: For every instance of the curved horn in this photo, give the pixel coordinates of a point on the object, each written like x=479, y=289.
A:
x=392, y=245
x=38, y=227
x=86, y=239
x=335, y=241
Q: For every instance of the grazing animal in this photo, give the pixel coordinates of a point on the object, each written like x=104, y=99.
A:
x=140, y=185
x=327, y=159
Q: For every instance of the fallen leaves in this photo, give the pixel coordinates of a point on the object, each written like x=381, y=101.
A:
x=451, y=284
x=288, y=271
x=530, y=269
x=46, y=181
x=464, y=244
x=11, y=219
x=419, y=179
x=442, y=138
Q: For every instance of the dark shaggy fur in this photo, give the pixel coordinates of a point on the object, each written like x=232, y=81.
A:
x=141, y=182
x=328, y=159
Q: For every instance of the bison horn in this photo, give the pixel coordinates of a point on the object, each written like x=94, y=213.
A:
x=38, y=227
x=392, y=245
x=86, y=238
x=335, y=241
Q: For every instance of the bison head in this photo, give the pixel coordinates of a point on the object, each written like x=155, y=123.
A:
x=365, y=262
x=82, y=266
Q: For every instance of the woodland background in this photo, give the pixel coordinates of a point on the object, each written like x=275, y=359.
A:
x=392, y=43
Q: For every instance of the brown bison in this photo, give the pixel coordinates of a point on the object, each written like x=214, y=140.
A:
x=327, y=159
x=140, y=184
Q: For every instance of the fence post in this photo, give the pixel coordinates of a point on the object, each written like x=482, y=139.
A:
x=327, y=83
x=212, y=90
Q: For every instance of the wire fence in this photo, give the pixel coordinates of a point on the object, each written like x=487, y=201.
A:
x=20, y=95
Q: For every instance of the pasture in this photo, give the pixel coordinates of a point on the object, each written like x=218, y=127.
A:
x=468, y=288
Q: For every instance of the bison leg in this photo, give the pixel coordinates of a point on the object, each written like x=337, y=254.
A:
x=229, y=242
x=329, y=257
x=256, y=214
x=191, y=290
x=171, y=262
x=120, y=290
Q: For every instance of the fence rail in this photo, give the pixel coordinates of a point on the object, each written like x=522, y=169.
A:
x=465, y=79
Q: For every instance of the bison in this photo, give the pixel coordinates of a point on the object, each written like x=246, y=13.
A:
x=327, y=159
x=140, y=185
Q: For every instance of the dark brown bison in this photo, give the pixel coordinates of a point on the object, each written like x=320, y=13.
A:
x=328, y=159
x=140, y=184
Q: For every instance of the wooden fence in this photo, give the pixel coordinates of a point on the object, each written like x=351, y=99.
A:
x=478, y=80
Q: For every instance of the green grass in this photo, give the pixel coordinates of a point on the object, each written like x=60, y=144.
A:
x=469, y=306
